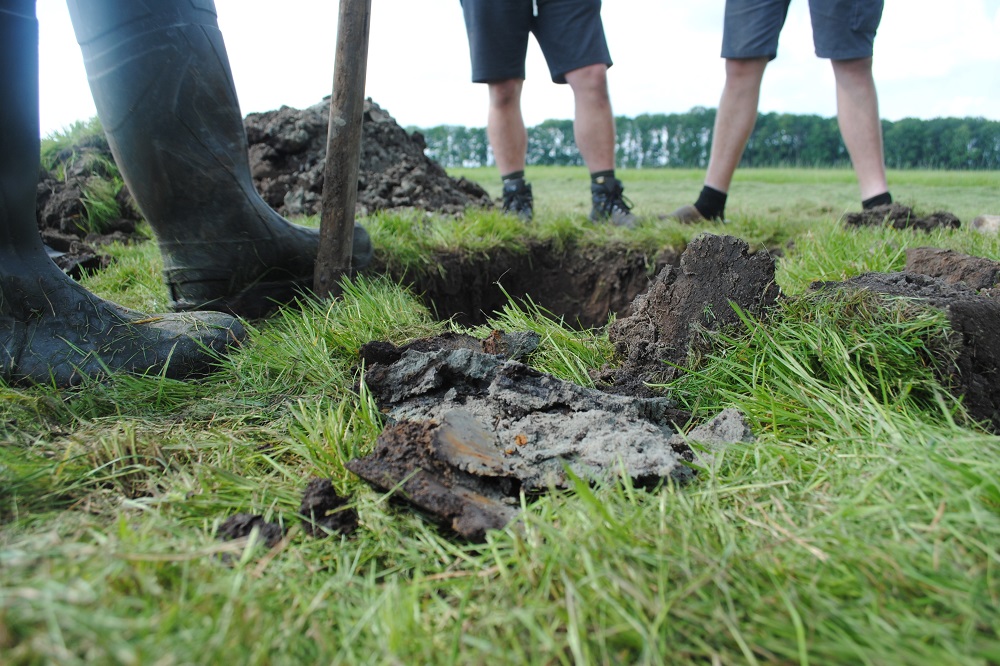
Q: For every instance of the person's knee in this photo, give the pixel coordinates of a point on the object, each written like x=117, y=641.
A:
x=745, y=72
x=857, y=68
x=505, y=94
x=590, y=79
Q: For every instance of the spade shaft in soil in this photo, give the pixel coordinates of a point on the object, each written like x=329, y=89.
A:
x=340, y=187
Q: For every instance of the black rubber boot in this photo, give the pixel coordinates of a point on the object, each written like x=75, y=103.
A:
x=164, y=92
x=51, y=329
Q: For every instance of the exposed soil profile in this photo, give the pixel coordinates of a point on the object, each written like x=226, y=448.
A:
x=972, y=369
x=583, y=285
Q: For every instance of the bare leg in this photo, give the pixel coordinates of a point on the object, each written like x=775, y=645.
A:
x=857, y=115
x=594, y=131
x=593, y=124
x=735, y=119
x=505, y=125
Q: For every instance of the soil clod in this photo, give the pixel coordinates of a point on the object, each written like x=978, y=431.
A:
x=324, y=512
x=898, y=216
x=716, y=275
x=240, y=525
x=974, y=372
x=468, y=431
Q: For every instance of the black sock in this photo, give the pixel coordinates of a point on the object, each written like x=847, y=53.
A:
x=599, y=177
x=513, y=175
x=711, y=203
x=883, y=199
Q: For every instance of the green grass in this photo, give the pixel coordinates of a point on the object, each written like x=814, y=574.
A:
x=100, y=204
x=69, y=149
x=769, y=196
x=62, y=146
x=862, y=526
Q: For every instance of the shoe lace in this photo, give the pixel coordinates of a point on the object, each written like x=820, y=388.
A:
x=615, y=200
x=517, y=199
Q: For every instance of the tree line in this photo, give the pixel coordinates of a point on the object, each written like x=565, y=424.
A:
x=778, y=140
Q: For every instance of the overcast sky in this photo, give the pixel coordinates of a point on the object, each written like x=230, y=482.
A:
x=931, y=59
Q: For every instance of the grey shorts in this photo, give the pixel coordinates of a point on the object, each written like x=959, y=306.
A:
x=842, y=29
x=570, y=33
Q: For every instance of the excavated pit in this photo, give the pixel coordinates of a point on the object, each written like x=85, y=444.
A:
x=582, y=285
x=470, y=429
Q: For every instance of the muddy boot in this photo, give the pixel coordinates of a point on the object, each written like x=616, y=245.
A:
x=51, y=329
x=164, y=93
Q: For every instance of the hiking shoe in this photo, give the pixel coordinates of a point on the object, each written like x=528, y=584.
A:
x=691, y=215
x=687, y=215
x=517, y=199
x=610, y=205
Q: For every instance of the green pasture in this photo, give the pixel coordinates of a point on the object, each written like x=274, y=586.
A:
x=861, y=527
x=789, y=194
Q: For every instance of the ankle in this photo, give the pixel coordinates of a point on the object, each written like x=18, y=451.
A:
x=883, y=199
x=601, y=177
x=711, y=203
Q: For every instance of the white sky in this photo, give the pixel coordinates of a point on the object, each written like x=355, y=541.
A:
x=931, y=59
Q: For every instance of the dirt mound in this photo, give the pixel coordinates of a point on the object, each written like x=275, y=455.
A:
x=287, y=157
x=898, y=216
x=288, y=154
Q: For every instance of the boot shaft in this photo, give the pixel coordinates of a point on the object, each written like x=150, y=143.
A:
x=164, y=92
x=19, y=130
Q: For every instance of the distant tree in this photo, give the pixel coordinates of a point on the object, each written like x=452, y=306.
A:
x=553, y=143
x=456, y=145
x=685, y=140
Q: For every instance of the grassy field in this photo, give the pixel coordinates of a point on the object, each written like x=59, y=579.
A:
x=862, y=526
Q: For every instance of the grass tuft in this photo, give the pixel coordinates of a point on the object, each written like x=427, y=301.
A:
x=63, y=145
x=830, y=361
x=563, y=352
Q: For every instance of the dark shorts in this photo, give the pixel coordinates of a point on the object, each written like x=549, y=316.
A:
x=842, y=29
x=570, y=33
